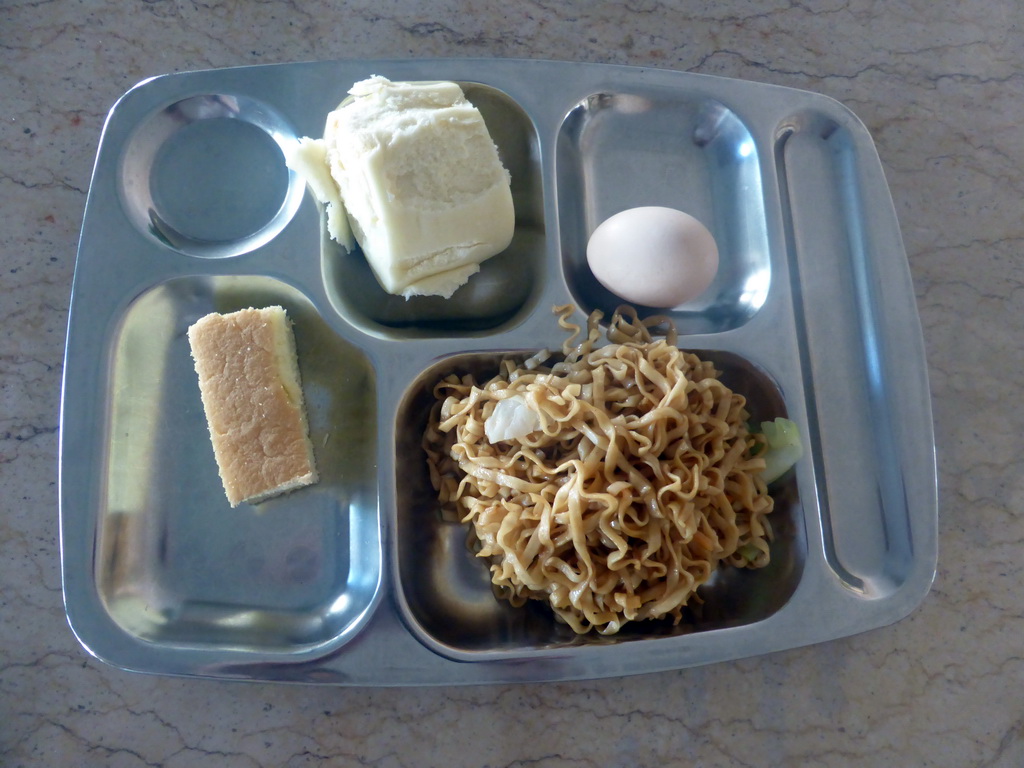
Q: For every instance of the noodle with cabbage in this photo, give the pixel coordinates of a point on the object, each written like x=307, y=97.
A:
x=611, y=484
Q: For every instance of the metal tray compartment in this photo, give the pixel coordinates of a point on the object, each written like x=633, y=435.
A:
x=670, y=147
x=176, y=569
x=447, y=589
x=357, y=580
x=505, y=284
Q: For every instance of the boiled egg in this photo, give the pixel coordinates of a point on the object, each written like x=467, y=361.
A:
x=655, y=256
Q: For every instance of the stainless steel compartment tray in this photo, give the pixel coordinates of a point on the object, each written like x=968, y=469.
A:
x=356, y=580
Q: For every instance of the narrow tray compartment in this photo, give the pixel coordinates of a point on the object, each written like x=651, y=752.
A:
x=844, y=335
x=620, y=150
x=505, y=284
x=445, y=589
x=175, y=565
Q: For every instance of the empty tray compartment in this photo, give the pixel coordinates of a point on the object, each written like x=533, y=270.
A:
x=206, y=175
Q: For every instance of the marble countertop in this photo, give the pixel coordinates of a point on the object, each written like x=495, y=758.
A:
x=941, y=87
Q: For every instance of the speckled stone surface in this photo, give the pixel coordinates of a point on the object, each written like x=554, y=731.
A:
x=941, y=87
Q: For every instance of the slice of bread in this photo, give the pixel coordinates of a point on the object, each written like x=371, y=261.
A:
x=252, y=396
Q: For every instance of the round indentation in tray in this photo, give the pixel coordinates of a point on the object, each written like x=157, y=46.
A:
x=207, y=176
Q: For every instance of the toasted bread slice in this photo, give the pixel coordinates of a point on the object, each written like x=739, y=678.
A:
x=252, y=396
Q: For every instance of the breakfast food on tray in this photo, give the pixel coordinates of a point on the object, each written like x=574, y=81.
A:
x=252, y=397
x=610, y=485
x=655, y=256
x=309, y=157
x=419, y=176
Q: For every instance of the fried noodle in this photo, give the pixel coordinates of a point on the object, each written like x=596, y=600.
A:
x=640, y=481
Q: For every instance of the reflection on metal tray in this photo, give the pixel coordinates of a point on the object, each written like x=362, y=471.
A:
x=357, y=580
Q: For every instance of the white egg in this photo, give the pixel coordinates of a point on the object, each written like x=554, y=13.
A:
x=655, y=256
